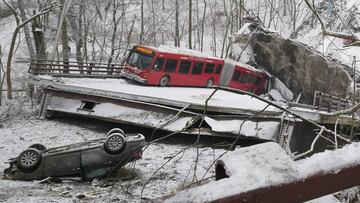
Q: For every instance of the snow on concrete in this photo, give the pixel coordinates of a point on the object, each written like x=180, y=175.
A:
x=329, y=161
x=196, y=96
x=267, y=130
x=268, y=164
x=249, y=168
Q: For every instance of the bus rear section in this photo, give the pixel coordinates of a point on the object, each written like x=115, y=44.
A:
x=172, y=66
x=243, y=77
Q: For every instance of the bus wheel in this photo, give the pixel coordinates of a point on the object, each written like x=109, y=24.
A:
x=164, y=81
x=210, y=82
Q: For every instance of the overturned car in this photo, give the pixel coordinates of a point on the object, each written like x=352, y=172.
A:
x=89, y=159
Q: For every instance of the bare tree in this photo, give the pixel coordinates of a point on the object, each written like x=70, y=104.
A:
x=2, y=75
x=142, y=21
x=190, y=24
x=39, y=38
x=65, y=43
x=12, y=47
x=203, y=27
x=80, y=37
x=26, y=29
x=177, y=34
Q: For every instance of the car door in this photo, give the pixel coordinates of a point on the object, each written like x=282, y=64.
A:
x=65, y=163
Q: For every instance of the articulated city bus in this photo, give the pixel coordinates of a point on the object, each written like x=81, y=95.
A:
x=173, y=66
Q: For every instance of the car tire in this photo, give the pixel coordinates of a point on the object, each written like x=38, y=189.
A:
x=116, y=130
x=209, y=83
x=114, y=143
x=38, y=146
x=164, y=81
x=29, y=159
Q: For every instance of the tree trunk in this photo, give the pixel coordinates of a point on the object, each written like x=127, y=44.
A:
x=203, y=27
x=190, y=24
x=115, y=24
x=79, y=37
x=38, y=38
x=177, y=34
x=11, y=51
x=142, y=22
x=65, y=43
x=26, y=30
x=1, y=76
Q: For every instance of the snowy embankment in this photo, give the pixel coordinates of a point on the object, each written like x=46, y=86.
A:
x=267, y=165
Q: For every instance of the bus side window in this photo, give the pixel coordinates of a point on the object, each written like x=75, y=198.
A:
x=218, y=69
x=184, y=67
x=159, y=64
x=209, y=68
x=252, y=79
x=244, y=78
x=236, y=76
x=197, y=68
x=170, y=65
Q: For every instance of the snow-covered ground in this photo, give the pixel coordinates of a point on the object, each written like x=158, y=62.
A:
x=24, y=129
x=179, y=162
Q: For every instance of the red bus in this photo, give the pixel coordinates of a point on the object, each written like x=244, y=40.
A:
x=170, y=66
x=245, y=77
x=173, y=66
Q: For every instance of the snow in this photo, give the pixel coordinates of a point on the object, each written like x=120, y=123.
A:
x=267, y=130
x=249, y=168
x=329, y=161
x=237, y=63
x=284, y=91
x=24, y=130
x=266, y=165
x=184, y=51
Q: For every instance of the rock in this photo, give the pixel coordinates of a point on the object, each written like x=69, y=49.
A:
x=80, y=196
x=302, y=69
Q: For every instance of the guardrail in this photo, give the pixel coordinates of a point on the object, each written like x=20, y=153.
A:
x=327, y=102
x=74, y=69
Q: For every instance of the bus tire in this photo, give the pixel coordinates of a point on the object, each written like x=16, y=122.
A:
x=209, y=83
x=164, y=81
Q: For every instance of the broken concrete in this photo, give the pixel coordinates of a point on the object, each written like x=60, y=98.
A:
x=302, y=69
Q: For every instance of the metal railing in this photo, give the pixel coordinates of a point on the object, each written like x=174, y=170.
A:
x=74, y=69
x=330, y=103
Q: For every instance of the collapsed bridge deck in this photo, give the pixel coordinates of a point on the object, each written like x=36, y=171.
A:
x=177, y=109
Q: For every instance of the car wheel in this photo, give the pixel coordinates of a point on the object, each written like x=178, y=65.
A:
x=38, y=146
x=114, y=143
x=164, y=81
x=210, y=82
x=115, y=130
x=29, y=159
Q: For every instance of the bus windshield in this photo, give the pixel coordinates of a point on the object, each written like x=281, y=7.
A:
x=140, y=60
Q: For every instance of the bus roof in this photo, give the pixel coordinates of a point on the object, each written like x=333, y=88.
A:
x=237, y=63
x=182, y=51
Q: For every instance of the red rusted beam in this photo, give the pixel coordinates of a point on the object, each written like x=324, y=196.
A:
x=302, y=190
